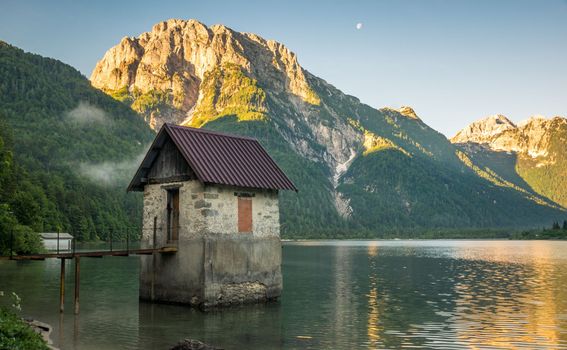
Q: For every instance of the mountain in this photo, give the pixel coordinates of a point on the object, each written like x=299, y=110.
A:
x=67, y=151
x=531, y=155
x=359, y=170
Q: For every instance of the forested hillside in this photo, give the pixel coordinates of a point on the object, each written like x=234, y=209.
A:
x=67, y=151
x=16, y=216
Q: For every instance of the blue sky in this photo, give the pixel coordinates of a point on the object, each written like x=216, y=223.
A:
x=452, y=61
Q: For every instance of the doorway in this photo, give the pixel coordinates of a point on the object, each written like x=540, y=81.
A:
x=172, y=215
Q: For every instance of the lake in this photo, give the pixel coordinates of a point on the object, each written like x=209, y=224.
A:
x=337, y=295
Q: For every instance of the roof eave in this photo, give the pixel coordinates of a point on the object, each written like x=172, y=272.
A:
x=133, y=183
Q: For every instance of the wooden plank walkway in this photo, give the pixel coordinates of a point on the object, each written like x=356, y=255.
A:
x=92, y=254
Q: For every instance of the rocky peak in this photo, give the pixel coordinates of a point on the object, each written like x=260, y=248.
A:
x=185, y=72
x=531, y=137
x=163, y=69
x=408, y=112
x=484, y=130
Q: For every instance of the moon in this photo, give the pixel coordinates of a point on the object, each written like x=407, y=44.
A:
x=359, y=26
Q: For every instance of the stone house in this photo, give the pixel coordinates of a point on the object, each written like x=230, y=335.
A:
x=214, y=197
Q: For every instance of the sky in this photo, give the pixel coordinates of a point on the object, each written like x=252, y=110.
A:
x=452, y=61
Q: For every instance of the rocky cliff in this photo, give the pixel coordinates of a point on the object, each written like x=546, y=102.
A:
x=343, y=154
x=536, y=147
x=166, y=67
x=184, y=72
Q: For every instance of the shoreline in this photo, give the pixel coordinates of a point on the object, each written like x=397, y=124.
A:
x=43, y=329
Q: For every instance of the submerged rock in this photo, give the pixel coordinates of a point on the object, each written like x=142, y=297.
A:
x=191, y=344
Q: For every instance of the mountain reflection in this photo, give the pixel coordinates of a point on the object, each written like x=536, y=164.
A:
x=502, y=303
x=489, y=295
x=337, y=295
x=373, y=327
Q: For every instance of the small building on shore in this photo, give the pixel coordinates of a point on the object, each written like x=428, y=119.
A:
x=214, y=196
x=50, y=240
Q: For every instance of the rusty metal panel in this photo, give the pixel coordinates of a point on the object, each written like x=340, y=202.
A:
x=227, y=159
x=244, y=214
x=218, y=158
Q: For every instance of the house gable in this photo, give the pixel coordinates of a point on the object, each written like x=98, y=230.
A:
x=169, y=165
x=210, y=157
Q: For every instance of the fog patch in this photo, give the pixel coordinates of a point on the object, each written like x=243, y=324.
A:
x=112, y=173
x=85, y=113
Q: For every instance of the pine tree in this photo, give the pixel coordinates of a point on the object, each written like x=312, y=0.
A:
x=565, y=224
x=555, y=226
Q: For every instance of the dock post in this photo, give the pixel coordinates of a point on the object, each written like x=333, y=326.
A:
x=62, y=287
x=111, y=239
x=154, y=257
x=57, y=241
x=128, y=240
x=77, y=282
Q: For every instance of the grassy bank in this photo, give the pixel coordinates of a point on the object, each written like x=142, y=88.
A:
x=15, y=333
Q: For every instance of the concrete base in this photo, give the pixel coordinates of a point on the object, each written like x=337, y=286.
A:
x=215, y=270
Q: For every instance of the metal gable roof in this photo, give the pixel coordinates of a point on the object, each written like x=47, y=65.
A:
x=218, y=158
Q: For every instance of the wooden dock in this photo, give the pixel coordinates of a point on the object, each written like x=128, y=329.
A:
x=93, y=254
x=85, y=254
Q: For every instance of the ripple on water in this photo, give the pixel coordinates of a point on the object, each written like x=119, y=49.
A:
x=340, y=295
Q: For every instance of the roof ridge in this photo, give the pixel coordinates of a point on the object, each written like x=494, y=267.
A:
x=217, y=158
x=211, y=132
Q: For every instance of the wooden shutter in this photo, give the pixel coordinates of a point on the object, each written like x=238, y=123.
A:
x=244, y=214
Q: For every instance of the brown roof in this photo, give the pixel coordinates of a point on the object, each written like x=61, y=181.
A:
x=218, y=158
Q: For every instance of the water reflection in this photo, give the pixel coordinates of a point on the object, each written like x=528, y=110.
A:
x=344, y=297
x=337, y=295
x=458, y=295
x=373, y=327
x=511, y=304
x=161, y=326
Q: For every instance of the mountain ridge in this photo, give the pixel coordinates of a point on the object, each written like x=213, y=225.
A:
x=536, y=150
x=242, y=83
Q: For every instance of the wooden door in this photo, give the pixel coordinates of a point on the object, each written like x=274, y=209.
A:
x=175, y=221
x=173, y=214
x=244, y=214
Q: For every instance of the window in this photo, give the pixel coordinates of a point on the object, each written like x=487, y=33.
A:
x=245, y=214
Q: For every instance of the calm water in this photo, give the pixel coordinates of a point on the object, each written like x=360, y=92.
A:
x=337, y=295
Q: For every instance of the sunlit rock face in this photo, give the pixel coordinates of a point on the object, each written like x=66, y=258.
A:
x=161, y=71
x=531, y=137
x=536, y=150
x=408, y=112
x=483, y=131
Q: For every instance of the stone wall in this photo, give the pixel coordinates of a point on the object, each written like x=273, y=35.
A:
x=209, y=209
x=241, y=269
x=214, y=264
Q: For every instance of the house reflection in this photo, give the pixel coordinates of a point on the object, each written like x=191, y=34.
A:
x=161, y=326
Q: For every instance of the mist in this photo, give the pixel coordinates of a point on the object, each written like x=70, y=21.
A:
x=112, y=173
x=85, y=113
